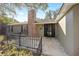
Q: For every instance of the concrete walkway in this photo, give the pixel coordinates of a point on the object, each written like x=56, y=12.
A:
x=52, y=47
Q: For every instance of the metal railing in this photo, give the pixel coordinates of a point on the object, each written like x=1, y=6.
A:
x=22, y=41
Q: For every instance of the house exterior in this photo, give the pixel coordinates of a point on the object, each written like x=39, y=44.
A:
x=19, y=27
x=65, y=27
x=35, y=27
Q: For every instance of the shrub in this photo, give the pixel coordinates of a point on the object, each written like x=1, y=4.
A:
x=10, y=50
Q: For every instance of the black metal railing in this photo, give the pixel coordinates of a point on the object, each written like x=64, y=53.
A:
x=22, y=41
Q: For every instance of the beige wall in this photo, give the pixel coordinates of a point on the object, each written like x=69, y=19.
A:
x=40, y=28
x=69, y=46
x=64, y=30
x=76, y=30
x=60, y=29
x=67, y=31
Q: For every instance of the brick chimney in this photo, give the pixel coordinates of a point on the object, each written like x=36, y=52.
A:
x=32, y=31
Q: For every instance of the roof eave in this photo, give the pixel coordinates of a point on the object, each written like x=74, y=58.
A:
x=64, y=9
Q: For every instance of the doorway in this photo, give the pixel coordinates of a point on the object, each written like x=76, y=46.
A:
x=49, y=30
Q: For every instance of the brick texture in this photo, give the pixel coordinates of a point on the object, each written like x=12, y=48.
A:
x=32, y=30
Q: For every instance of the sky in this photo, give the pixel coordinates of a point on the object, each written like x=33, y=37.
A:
x=22, y=14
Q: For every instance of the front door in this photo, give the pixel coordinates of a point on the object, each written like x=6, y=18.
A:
x=49, y=30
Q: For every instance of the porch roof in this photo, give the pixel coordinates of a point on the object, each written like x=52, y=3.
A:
x=22, y=23
x=35, y=23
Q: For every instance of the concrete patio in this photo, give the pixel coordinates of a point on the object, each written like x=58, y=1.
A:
x=52, y=47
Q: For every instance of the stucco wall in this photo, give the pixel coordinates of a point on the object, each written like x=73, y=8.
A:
x=69, y=46
x=40, y=28
x=68, y=31
x=76, y=30
x=64, y=30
